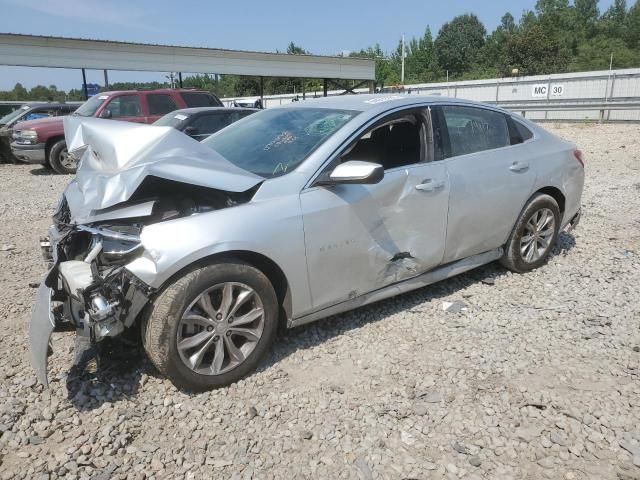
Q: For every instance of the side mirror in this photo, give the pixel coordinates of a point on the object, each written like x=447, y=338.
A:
x=355, y=171
x=191, y=130
x=106, y=113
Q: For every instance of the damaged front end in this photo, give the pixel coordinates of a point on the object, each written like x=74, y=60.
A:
x=87, y=285
x=121, y=187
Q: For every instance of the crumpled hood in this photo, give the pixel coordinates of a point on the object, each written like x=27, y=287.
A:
x=119, y=155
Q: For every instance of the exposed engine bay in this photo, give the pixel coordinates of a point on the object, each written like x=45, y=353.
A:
x=90, y=287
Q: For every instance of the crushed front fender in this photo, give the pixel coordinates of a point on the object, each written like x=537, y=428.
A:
x=40, y=329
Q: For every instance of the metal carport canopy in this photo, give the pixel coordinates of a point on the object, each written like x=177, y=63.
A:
x=59, y=52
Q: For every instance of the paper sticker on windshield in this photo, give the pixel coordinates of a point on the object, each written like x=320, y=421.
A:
x=180, y=116
x=373, y=101
x=103, y=97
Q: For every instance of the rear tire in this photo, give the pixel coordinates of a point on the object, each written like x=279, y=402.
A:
x=176, y=319
x=534, y=234
x=59, y=159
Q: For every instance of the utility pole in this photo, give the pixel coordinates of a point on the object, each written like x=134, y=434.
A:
x=403, y=55
x=606, y=88
x=171, y=77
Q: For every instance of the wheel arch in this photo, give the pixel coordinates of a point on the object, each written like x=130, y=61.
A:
x=49, y=143
x=267, y=266
x=557, y=195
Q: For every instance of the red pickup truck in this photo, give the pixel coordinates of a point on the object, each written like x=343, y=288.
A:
x=42, y=140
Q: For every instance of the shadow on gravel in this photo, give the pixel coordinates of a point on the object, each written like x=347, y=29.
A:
x=313, y=334
x=42, y=171
x=566, y=241
x=306, y=336
x=105, y=373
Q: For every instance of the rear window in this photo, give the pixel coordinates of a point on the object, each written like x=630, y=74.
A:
x=208, y=124
x=67, y=110
x=172, y=119
x=200, y=99
x=160, y=103
x=518, y=132
x=474, y=129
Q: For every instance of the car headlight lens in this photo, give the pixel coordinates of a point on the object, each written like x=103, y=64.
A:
x=25, y=137
x=119, y=242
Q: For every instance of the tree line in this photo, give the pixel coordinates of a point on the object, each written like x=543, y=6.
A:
x=556, y=36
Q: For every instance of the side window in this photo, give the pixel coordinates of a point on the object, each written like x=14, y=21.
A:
x=518, y=132
x=39, y=113
x=208, y=124
x=394, y=143
x=235, y=116
x=475, y=129
x=200, y=99
x=160, y=104
x=125, y=106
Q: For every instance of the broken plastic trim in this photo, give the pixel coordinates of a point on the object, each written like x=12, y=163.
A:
x=109, y=233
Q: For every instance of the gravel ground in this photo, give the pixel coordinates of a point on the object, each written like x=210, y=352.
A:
x=538, y=377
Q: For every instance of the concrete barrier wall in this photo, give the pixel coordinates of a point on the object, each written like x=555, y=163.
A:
x=570, y=89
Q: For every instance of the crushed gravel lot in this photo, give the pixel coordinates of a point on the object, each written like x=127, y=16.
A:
x=537, y=377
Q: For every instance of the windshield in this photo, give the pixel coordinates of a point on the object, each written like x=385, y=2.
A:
x=172, y=119
x=11, y=116
x=89, y=108
x=274, y=142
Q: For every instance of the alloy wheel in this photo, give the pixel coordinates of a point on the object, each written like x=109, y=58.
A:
x=537, y=235
x=220, y=328
x=66, y=160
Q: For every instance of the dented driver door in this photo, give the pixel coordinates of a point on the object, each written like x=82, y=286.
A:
x=360, y=238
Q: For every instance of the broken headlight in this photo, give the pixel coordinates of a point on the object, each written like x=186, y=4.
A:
x=119, y=242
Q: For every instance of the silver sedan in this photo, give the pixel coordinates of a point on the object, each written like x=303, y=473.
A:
x=288, y=216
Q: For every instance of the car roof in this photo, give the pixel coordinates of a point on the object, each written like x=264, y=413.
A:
x=50, y=104
x=380, y=102
x=193, y=110
x=157, y=90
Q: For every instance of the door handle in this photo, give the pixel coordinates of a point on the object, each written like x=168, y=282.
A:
x=429, y=185
x=519, y=167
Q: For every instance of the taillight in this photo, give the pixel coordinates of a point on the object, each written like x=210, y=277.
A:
x=579, y=157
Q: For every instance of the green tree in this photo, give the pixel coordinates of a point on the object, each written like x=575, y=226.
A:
x=493, y=51
x=534, y=52
x=597, y=53
x=293, y=49
x=459, y=42
x=613, y=22
x=632, y=24
x=527, y=20
x=19, y=92
x=421, y=64
x=586, y=17
x=386, y=73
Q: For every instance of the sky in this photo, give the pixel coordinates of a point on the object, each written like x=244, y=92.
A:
x=326, y=27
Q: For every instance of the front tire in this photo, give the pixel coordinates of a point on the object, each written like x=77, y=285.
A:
x=534, y=234
x=212, y=326
x=60, y=160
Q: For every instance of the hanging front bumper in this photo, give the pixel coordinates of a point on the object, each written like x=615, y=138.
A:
x=40, y=329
